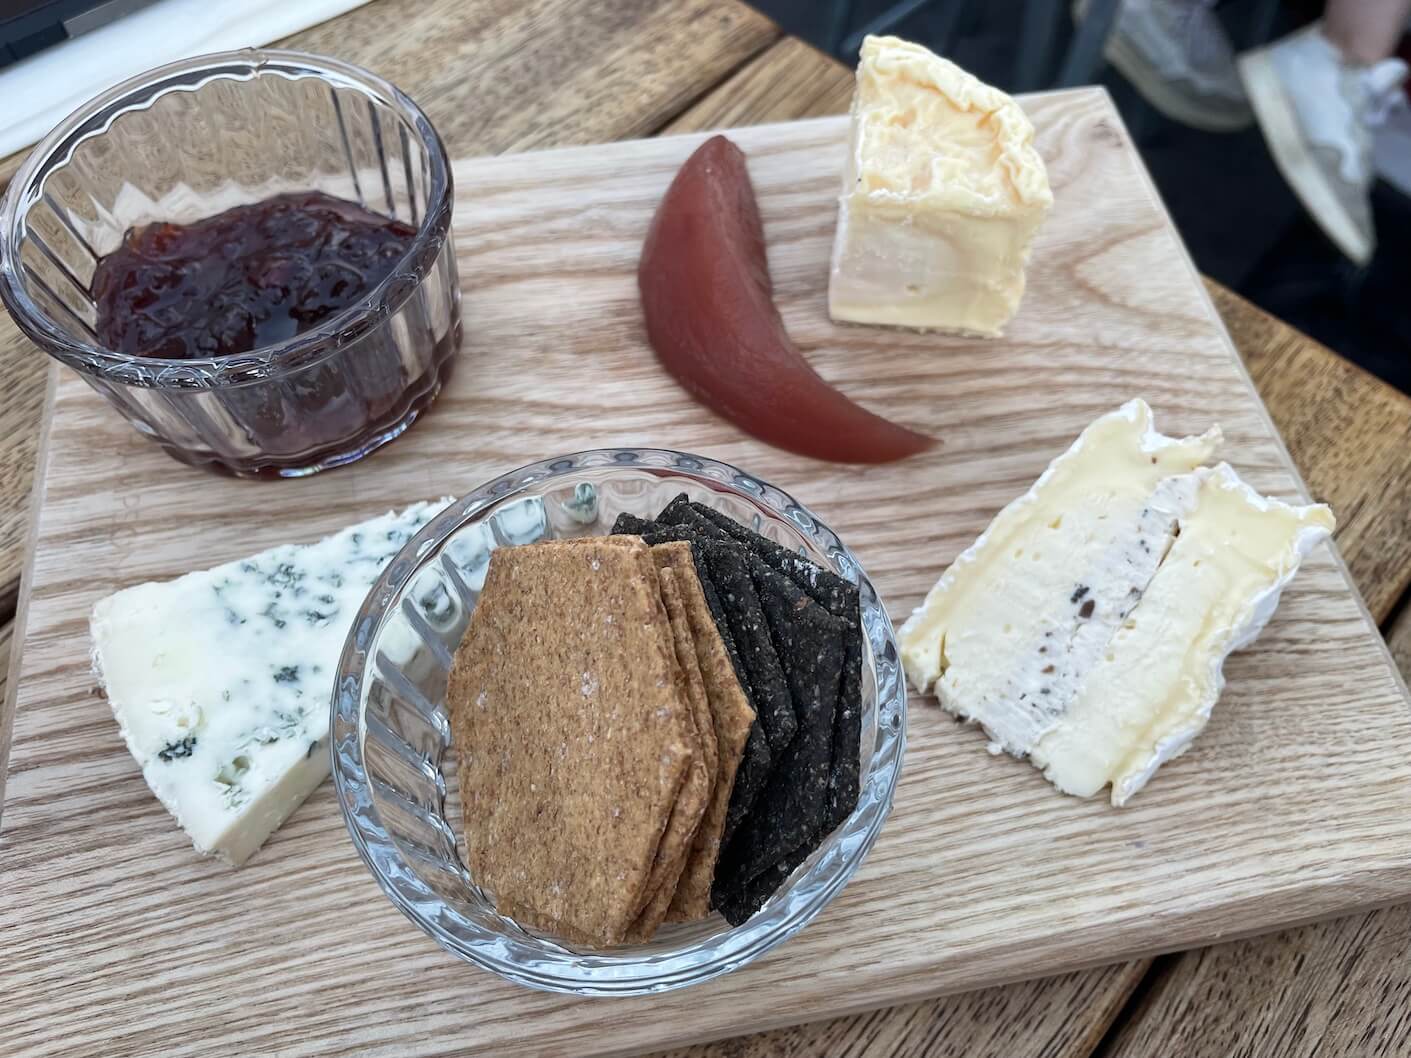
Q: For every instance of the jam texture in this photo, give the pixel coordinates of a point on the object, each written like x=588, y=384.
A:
x=244, y=279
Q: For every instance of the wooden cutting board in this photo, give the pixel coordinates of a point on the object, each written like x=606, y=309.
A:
x=1295, y=803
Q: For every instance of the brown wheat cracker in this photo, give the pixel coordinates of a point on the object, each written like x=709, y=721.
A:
x=529, y=918
x=684, y=642
x=691, y=801
x=654, y=914
x=696, y=792
x=586, y=541
x=573, y=734
x=732, y=718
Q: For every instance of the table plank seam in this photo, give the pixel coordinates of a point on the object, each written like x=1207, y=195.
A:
x=744, y=63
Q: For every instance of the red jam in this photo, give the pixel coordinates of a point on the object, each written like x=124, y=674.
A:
x=244, y=279
x=259, y=274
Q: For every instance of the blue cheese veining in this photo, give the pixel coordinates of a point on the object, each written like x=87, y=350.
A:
x=1087, y=627
x=220, y=680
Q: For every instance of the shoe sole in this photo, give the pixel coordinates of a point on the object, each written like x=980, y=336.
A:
x=1278, y=120
x=1157, y=91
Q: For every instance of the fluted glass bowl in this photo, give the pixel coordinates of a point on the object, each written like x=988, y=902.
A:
x=195, y=138
x=395, y=777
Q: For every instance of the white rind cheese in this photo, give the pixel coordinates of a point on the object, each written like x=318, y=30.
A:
x=221, y=680
x=1087, y=627
x=942, y=194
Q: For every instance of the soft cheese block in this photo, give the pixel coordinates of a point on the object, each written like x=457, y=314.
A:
x=221, y=680
x=1087, y=627
x=942, y=194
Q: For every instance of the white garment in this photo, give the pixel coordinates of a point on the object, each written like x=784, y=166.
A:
x=1391, y=149
x=42, y=90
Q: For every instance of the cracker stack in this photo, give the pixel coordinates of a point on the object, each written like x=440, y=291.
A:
x=653, y=725
x=798, y=642
x=599, y=727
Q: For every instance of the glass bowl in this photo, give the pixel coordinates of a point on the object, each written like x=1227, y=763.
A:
x=200, y=136
x=396, y=780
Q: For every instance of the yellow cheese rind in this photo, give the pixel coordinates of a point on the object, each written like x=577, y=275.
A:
x=942, y=195
x=928, y=133
x=1153, y=691
x=1087, y=627
x=1114, y=465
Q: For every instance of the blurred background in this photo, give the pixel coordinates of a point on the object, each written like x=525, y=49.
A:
x=1239, y=216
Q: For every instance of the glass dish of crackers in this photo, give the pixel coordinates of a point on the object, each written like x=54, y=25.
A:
x=557, y=680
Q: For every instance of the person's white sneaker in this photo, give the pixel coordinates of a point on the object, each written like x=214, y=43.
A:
x=1391, y=148
x=1317, y=112
x=1177, y=55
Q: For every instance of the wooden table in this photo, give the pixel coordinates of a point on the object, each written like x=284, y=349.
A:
x=503, y=75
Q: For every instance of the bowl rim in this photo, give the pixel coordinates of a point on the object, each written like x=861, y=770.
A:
x=96, y=117
x=606, y=974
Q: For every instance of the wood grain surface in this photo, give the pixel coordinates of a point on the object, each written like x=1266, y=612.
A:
x=1350, y=997
x=498, y=75
x=790, y=81
x=963, y=888
x=1340, y=995
x=1339, y=987
x=21, y=398
x=1055, y=1017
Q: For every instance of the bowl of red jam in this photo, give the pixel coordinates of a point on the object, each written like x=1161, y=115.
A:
x=248, y=254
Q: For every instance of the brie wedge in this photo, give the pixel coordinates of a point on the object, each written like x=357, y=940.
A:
x=941, y=197
x=1087, y=627
x=221, y=680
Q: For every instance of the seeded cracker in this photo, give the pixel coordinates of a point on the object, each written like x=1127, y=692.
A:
x=531, y=919
x=740, y=905
x=731, y=717
x=839, y=597
x=573, y=737
x=695, y=792
x=729, y=568
x=757, y=760
x=791, y=809
x=683, y=640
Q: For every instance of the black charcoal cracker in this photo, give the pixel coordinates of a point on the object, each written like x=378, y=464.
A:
x=834, y=593
x=740, y=905
x=681, y=511
x=791, y=809
x=840, y=598
x=845, y=770
x=750, y=778
x=774, y=706
x=756, y=760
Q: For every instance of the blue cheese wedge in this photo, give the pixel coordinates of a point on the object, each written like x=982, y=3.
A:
x=1087, y=627
x=220, y=680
